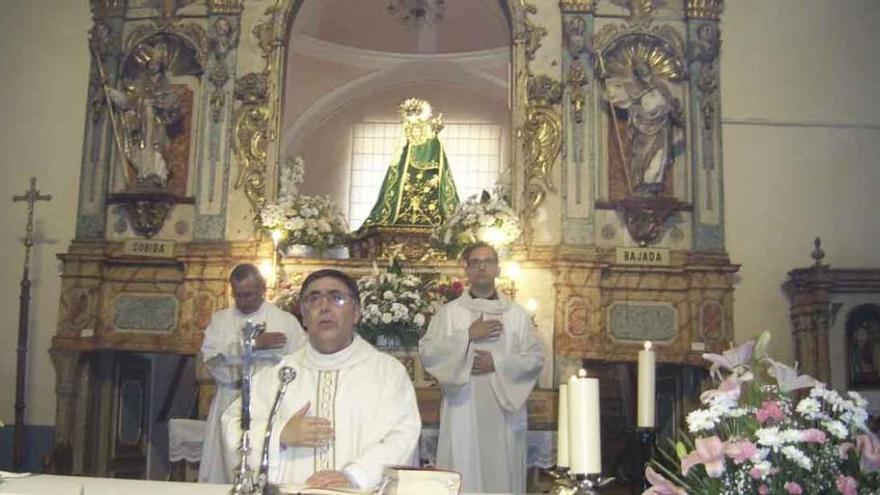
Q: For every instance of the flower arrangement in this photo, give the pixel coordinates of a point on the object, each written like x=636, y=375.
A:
x=308, y=220
x=758, y=432
x=313, y=221
x=394, y=306
x=443, y=290
x=479, y=218
x=287, y=297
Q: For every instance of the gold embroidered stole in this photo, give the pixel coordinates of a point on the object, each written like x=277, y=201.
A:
x=325, y=456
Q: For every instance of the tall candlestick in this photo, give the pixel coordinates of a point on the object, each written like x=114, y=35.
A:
x=647, y=377
x=562, y=428
x=585, y=444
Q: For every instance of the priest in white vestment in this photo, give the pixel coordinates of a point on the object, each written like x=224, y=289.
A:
x=483, y=350
x=221, y=354
x=351, y=410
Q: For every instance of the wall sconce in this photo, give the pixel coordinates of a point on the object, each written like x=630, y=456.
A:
x=512, y=271
x=267, y=270
x=532, y=308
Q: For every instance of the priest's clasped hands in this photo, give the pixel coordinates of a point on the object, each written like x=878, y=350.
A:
x=482, y=329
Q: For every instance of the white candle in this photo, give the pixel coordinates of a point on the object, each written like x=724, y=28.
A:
x=562, y=428
x=584, y=442
x=647, y=374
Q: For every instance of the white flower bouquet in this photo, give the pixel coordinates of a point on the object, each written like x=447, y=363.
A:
x=768, y=430
x=479, y=218
x=313, y=221
x=395, y=307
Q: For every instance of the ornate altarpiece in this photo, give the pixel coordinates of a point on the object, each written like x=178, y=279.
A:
x=835, y=317
x=624, y=263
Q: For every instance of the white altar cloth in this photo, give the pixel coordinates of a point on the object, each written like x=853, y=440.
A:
x=45, y=484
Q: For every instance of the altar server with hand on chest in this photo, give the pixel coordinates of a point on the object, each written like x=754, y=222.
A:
x=483, y=350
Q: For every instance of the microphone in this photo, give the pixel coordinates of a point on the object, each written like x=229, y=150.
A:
x=286, y=374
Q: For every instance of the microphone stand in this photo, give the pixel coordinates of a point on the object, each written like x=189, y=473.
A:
x=286, y=374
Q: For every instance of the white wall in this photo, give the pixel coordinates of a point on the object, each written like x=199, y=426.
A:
x=790, y=62
x=801, y=137
x=44, y=65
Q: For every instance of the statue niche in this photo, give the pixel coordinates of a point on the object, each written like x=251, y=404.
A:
x=641, y=76
x=152, y=122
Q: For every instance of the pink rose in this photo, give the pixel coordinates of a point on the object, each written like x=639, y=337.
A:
x=793, y=488
x=740, y=451
x=813, y=435
x=763, y=490
x=846, y=485
x=769, y=410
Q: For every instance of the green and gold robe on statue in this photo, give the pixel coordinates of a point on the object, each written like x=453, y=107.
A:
x=418, y=189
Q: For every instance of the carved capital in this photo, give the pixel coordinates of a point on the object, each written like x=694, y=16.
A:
x=704, y=9
x=577, y=6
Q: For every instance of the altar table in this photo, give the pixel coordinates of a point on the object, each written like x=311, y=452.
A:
x=45, y=484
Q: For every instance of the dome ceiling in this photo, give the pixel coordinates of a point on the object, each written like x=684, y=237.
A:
x=465, y=25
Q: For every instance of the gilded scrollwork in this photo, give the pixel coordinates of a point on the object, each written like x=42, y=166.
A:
x=529, y=34
x=704, y=9
x=251, y=136
x=541, y=137
x=533, y=34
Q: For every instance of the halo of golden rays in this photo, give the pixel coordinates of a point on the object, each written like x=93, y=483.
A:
x=622, y=56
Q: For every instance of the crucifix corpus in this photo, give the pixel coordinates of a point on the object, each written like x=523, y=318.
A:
x=31, y=196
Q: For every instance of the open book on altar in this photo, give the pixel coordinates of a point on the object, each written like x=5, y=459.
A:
x=310, y=490
x=396, y=480
x=405, y=480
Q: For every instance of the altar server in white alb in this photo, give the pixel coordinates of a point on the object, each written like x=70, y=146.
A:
x=483, y=349
x=351, y=410
x=221, y=354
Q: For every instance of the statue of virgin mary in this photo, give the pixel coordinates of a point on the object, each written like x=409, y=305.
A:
x=418, y=189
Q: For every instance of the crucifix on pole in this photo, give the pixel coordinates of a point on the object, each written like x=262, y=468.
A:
x=32, y=195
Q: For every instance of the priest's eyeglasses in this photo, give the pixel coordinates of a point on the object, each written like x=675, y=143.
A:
x=480, y=263
x=334, y=297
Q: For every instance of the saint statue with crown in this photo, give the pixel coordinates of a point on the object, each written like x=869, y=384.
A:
x=418, y=188
x=418, y=192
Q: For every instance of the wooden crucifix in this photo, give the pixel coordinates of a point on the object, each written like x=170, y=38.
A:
x=31, y=196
